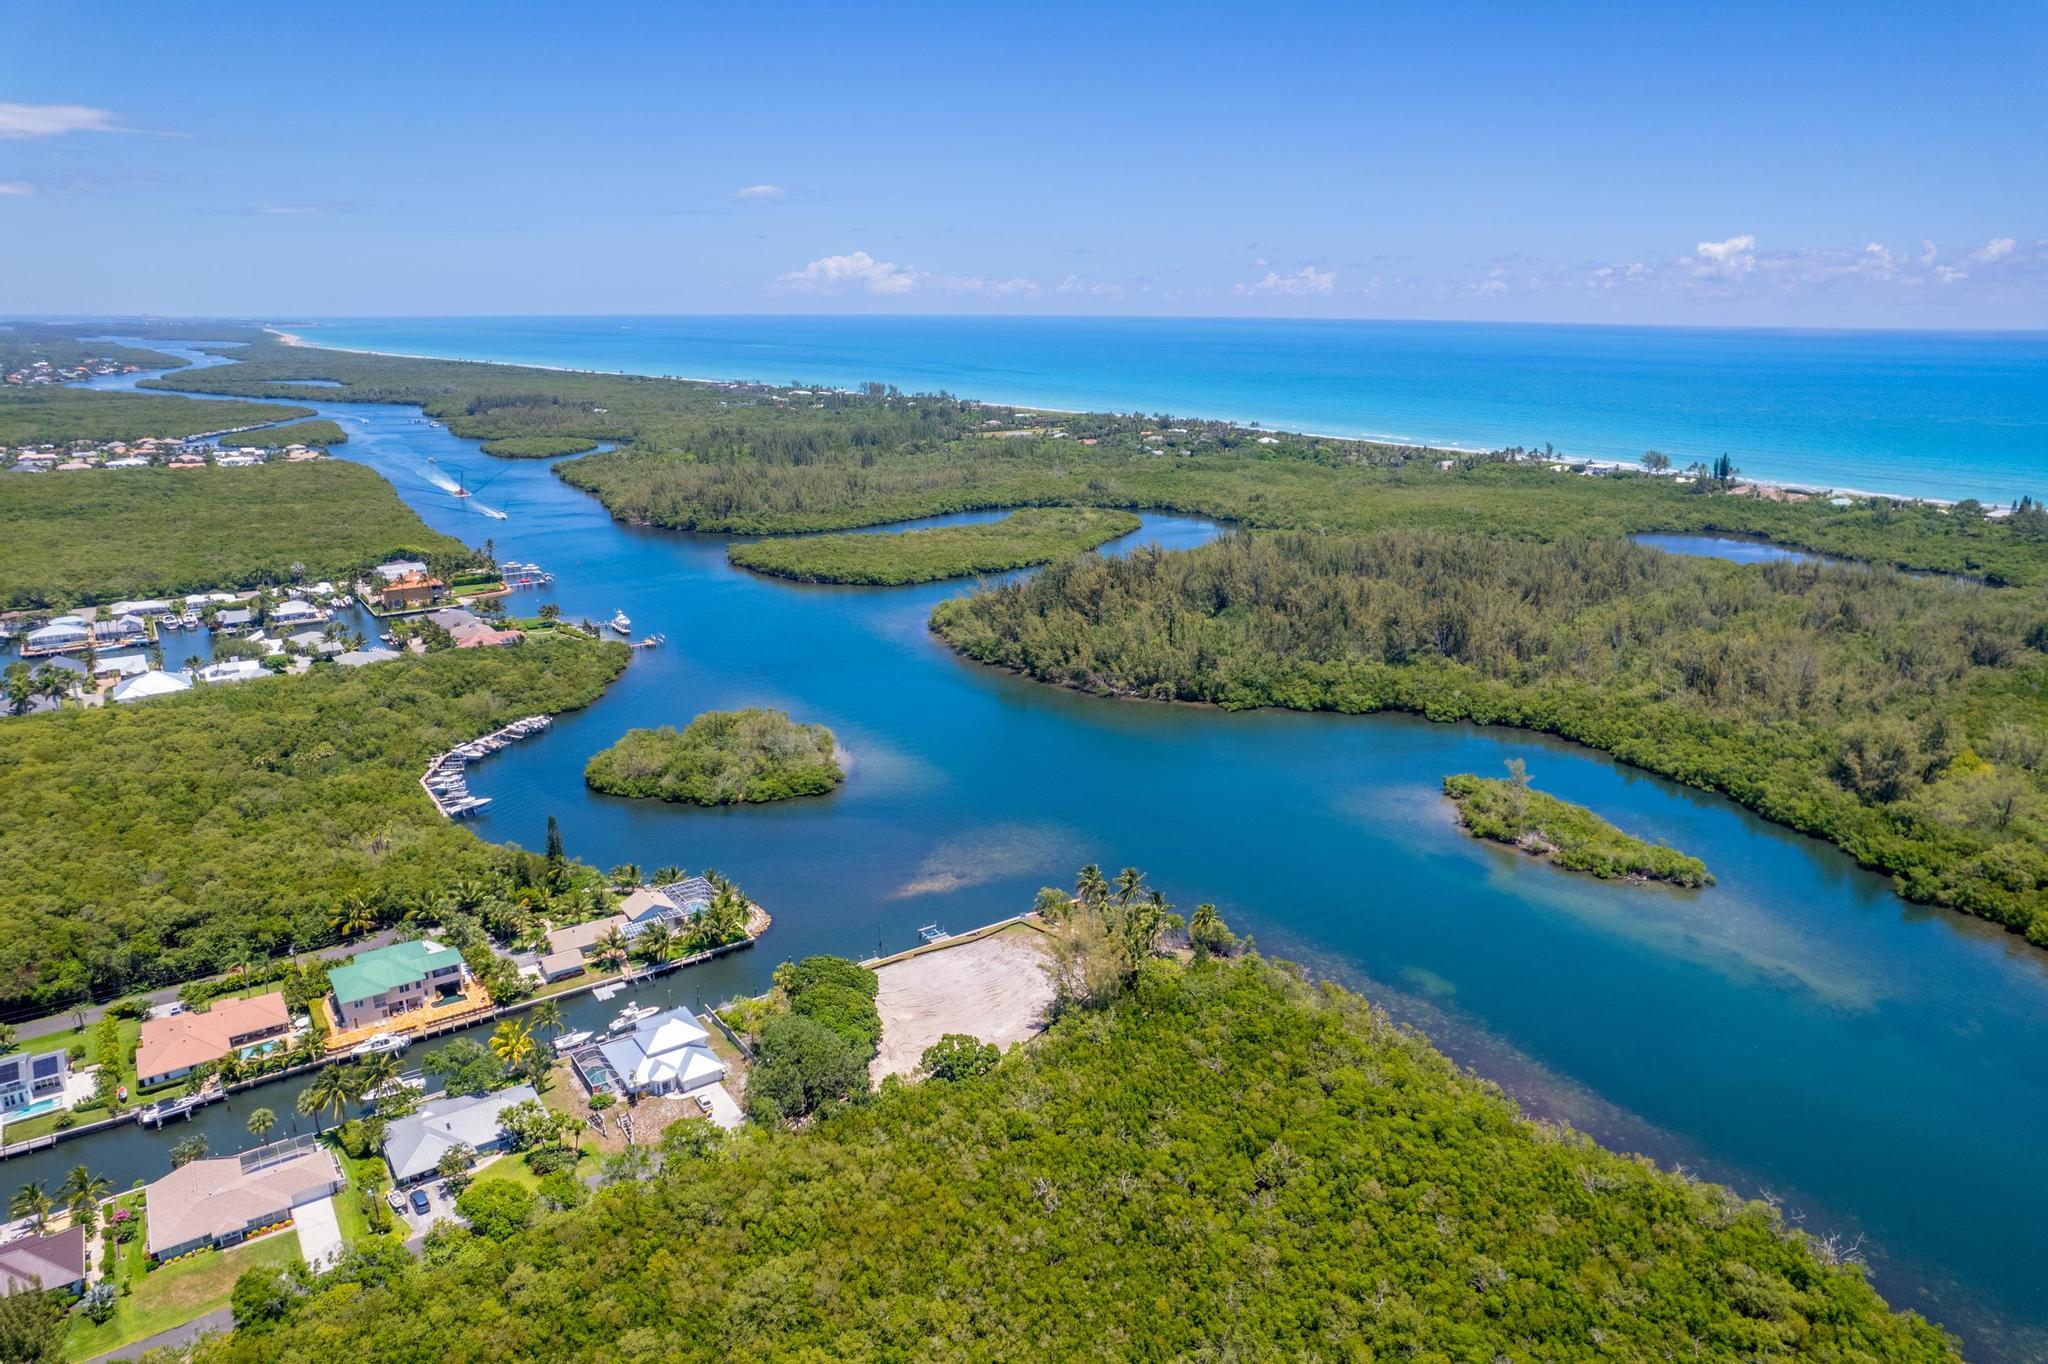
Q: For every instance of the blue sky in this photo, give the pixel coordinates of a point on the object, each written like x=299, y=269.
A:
x=1817, y=164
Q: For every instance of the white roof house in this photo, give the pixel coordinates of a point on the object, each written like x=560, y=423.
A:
x=286, y=612
x=156, y=682
x=233, y=670
x=149, y=607
x=126, y=665
x=414, y=1146
x=668, y=1053
x=399, y=568
x=59, y=633
x=356, y=658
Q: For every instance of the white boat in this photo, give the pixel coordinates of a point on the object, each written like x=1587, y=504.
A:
x=569, y=1041
x=381, y=1043
x=622, y=623
x=631, y=1015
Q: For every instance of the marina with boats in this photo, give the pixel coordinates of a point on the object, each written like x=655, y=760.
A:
x=445, y=782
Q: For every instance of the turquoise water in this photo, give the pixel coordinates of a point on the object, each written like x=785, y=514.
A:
x=1795, y=1029
x=1939, y=414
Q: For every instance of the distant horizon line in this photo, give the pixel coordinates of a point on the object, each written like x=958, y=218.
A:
x=314, y=319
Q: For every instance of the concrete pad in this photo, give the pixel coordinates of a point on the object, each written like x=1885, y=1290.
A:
x=319, y=1232
x=725, y=1110
x=995, y=989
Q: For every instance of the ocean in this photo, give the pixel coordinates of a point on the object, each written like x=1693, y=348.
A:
x=1927, y=414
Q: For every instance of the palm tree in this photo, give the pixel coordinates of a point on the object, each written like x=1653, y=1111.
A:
x=656, y=943
x=373, y=1073
x=33, y=1202
x=260, y=1123
x=353, y=918
x=1090, y=888
x=512, y=1043
x=332, y=1091
x=1129, y=882
x=548, y=1014
x=612, y=946
x=626, y=874
x=667, y=875
x=83, y=1189
x=724, y=920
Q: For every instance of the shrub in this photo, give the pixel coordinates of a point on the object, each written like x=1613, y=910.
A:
x=956, y=1056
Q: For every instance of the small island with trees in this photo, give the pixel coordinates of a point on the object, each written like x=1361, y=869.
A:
x=1506, y=810
x=723, y=757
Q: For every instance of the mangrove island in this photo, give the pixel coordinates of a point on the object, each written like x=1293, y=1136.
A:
x=1506, y=810
x=723, y=757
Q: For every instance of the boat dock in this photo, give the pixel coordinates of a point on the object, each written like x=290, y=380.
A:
x=157, y=1114
x=525, y=575
x=445, y=781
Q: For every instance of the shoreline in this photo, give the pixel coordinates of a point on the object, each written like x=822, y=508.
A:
x=298, y=340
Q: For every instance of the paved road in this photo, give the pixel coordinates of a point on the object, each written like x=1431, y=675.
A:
x=89, y=1014
x=220, y=1319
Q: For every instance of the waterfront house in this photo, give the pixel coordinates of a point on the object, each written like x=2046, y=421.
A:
x=400, y=568
x=220, y=1202
x=149, y=607
x=65, y=632
x=120, y=630
x=296, y=612
x=231, y=670
x=356, y=658
x=234, y=618
x=583, y=938
x=412, y=592
x=53, y=1263
x=668, y=1053
x=155, y=682
x=389, y=981
x=315, y=642
x=120, y=665
x=172, y=1048
x=556, y=966
x=28, y=1078
x=413, y=1146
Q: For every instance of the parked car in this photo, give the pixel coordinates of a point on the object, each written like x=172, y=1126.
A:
x=420, y=1204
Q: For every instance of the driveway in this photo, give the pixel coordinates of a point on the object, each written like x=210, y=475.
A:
x=725, y=1110
x=319, y=1232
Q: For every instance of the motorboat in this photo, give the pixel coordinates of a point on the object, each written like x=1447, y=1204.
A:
x=630, y=1016
x=622, y=623
x=569, y=1041
x=381, y=1044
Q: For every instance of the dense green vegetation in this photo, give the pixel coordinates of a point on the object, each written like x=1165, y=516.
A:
x=537, y=447
x=1506, y=810
x=110, y=534
x=1222, y=1162
x=34, y=416
x=757, y=460
x=1034, y=535
x=1902, y=718
x=814, y=1035
x=148, y=844
x=24, y=343
x=320, y=432
x=723, y=757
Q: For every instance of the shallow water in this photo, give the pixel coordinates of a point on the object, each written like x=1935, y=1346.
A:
x=1796, y=1028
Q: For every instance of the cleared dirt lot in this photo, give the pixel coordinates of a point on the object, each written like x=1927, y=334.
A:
x=993, y=988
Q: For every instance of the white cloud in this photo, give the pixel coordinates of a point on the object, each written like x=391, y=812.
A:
x=1734, y=257
x=52, y=120
x=1074, y=284
x=992, y=288
x=760, y=192
x=857, y=270
x=15, y=189
x=1302, y=283
x=1994, y=249
x=291, y=210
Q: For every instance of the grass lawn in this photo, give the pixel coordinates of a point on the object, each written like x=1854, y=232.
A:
x=514, y=1170
x=176, y=1293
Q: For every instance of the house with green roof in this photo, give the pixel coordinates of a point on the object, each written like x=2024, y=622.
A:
x=388, y=981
